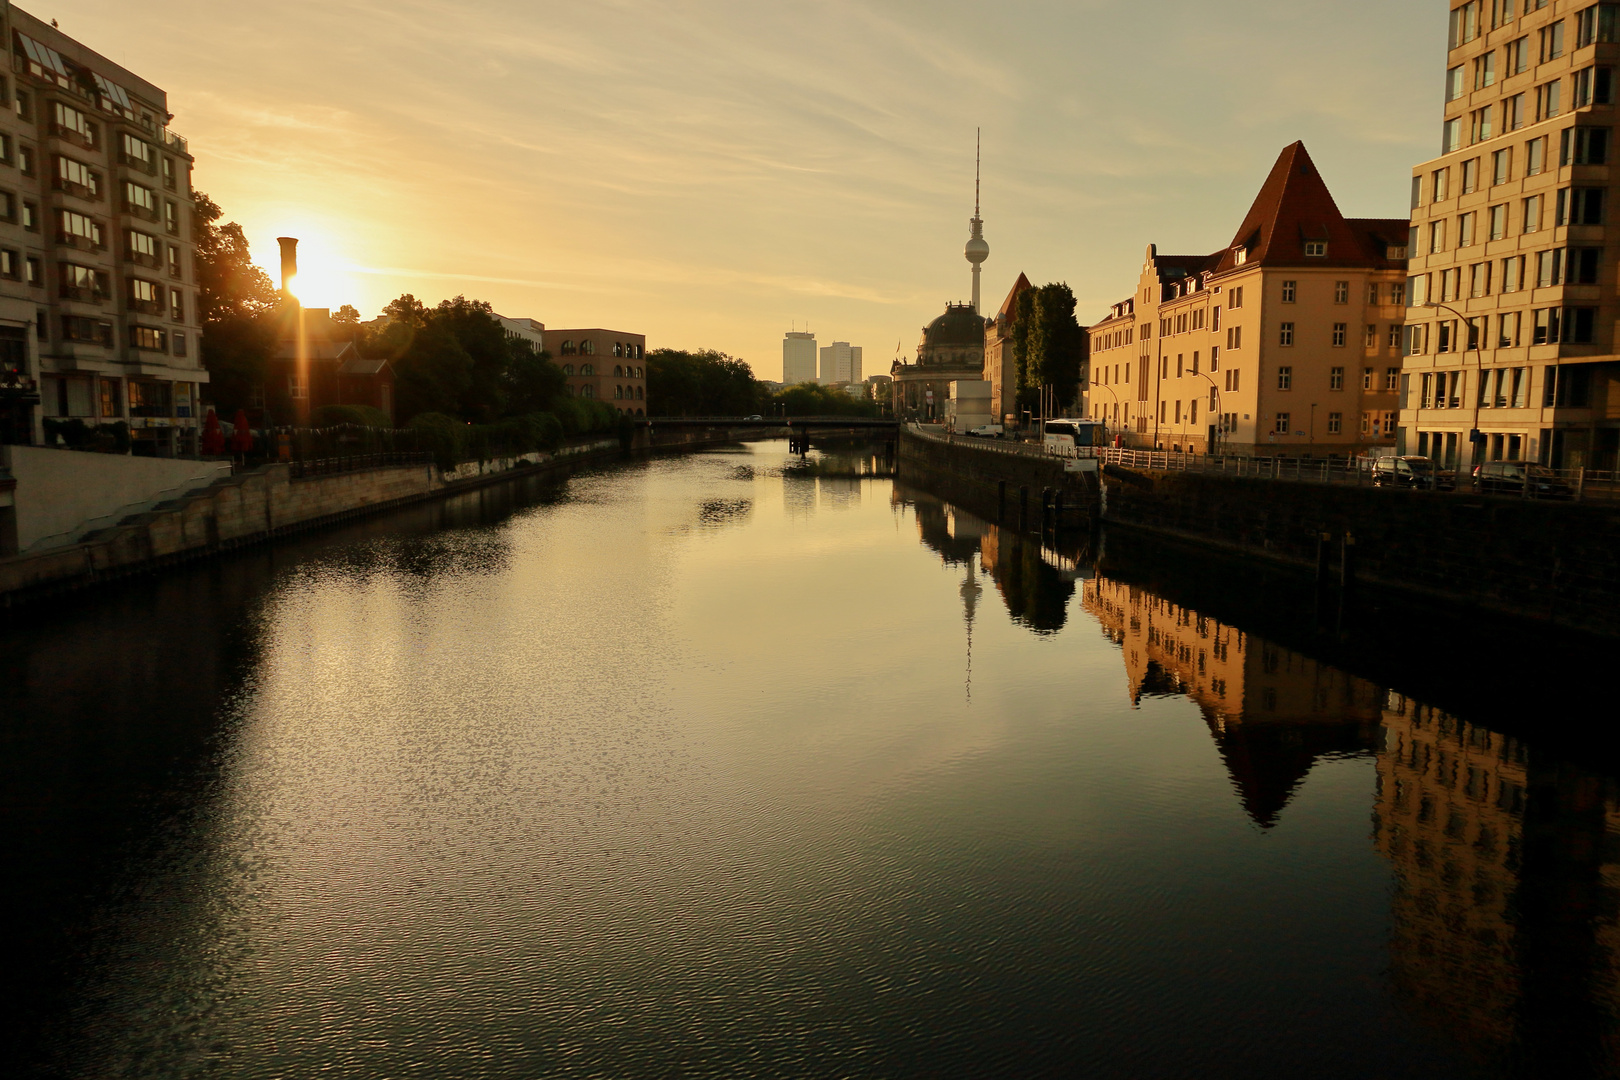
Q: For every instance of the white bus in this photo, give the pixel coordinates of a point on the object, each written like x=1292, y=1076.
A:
x=1063, y=436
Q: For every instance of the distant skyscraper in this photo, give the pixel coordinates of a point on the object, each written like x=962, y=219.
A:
x=798, y=358
x=841, y=363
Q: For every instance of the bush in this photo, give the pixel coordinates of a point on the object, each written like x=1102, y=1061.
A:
x=363, y=415
x=585, y=416
x=443, y=436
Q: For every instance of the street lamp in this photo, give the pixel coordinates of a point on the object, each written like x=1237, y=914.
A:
x=1474, y=436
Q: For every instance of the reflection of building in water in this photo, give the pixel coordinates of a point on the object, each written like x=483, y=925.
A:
x=839, y=492
x=1507, y=887
x=1272, y=711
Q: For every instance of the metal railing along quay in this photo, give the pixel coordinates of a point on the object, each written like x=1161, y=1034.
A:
x=1565, y=485
x=327, y=466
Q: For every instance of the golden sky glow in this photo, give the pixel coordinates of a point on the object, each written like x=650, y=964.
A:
x=709, y=172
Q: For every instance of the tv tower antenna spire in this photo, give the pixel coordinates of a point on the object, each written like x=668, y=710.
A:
x=977, y=250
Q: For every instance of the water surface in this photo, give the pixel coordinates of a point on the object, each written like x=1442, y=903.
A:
x=734, y=765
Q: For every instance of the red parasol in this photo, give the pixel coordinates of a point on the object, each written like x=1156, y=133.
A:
x=242, y=437
x=213, y=439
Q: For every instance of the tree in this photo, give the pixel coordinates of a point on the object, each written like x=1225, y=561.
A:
x=1048, y=345
x=347, y=315
x=813, y=399
x=236, y=303
x=701, y=383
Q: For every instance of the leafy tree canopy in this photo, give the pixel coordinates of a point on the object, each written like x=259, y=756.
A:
x=1048, y=345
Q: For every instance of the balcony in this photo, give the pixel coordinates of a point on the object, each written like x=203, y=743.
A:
x=137, y=210
x=147, y=166
x=174, y=142
x=83, y=294
x=83, y=243
x=77, y=138
x=144, y=307
x=141, y=258
x=77, y=190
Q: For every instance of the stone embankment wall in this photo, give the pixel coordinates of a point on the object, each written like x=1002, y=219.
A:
x=1548, y=561
x=996, y=486
x=252, y=507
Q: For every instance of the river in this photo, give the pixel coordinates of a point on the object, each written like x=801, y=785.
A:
x=732, y=764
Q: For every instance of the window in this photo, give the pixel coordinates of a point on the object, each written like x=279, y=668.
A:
x=1392, y=379
x=30, y=217
x=1479, y=279
x=25, y=160
x=1546, y=328
x=1479, y=129
x=140, y=247
x=1240, y=256
x=168, y=182
x=135, y=152
x=1547, y=100
x=1464, y=25
x=145, y=296
x=297, y=385
x=1336, y=378
x=1579, y=206
x=91, y=331
x=1507, y=330
x=1288, y=292
x=587, y=348
x=1497, y=218
x=82, y=282
x=1552, y=42
x=1596, y=23
x=1532, y=214
x=1341, y=292
x=1516, y=56
x=179, y=344
x=1214, y=322
x=1512, y=274
x=174, y=262
x=1397, y=294
x=1592, y=86
x=1285, y=334
x=1281, y=426
x=1439, y=184
x=1485, y=71
x=1417, y=192
x=1372, y=293
x=1234, y=297
x=1512, y=113
x=1578, y=324
x=1285, y=377
x=1395, y=336
x=1456, y=84
x=10, y=264
x=177, y=308
x=568, y=369
x=111, y=406
x=1369, y=340
x=1341, y=333
x=77, y=230
x=140, y=200
x=1584, y=146
x=587, y=369
x=1465, y=230
x=76, y=178
x=1234, y=338
x=33, y=271
x=1316, y=249
x=1335, y=423
x=1367, y=378
x=153, y=340
x=171, y=218
x=1548, y=266
x=1535, y=156
x=70, y=122
x=1581, y=265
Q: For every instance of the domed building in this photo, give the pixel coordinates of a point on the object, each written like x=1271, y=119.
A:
x=952, y=348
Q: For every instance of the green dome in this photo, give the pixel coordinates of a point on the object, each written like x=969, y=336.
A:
x=960, y=325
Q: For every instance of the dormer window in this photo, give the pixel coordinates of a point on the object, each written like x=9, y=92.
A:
x=1240, y=256
x=1397, y=253
x=1316, y=249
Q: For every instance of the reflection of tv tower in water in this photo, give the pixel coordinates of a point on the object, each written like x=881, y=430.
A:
x=977, y=250
x=971, y=590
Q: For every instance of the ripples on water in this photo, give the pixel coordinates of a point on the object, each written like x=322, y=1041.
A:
x=735, y=764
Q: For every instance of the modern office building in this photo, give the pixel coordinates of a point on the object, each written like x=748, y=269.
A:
x=607, y=365
x=840, y=363
x=798, y=357
x=1288, y=340
x=98, y=314
x=531, y=332
x=1513, y=289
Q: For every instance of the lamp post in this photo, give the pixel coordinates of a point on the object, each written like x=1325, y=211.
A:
x=1474, y=436
x=1110, y=389
x=1219, y=411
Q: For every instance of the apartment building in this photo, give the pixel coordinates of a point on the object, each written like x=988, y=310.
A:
x=1511, y=348
x=98, y=319
x=607, y=365
x=840, y=364
x=1288, y=340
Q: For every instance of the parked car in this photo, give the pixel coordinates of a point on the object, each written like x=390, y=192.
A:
x=756, y=416
x=988, y=431
x=1508, y=478
x=1412, y=471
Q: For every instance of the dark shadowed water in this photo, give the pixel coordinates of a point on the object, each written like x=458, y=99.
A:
x=724, y=765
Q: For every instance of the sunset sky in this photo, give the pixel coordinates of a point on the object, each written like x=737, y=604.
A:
x=711, y=172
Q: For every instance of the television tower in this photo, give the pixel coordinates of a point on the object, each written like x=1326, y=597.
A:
x=977, y=250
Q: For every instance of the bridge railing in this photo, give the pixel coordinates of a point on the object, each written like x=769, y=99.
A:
x=1566, y=485
x=769, y=421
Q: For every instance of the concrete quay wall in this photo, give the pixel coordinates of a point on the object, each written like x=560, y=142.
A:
x=1556, y=563
x=988, y=482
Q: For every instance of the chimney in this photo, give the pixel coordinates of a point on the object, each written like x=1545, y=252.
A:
x=289, y=262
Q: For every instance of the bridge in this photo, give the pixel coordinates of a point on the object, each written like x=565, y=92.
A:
x=796, y=428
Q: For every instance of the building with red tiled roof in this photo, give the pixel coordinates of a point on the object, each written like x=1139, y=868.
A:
x=1288, y=340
